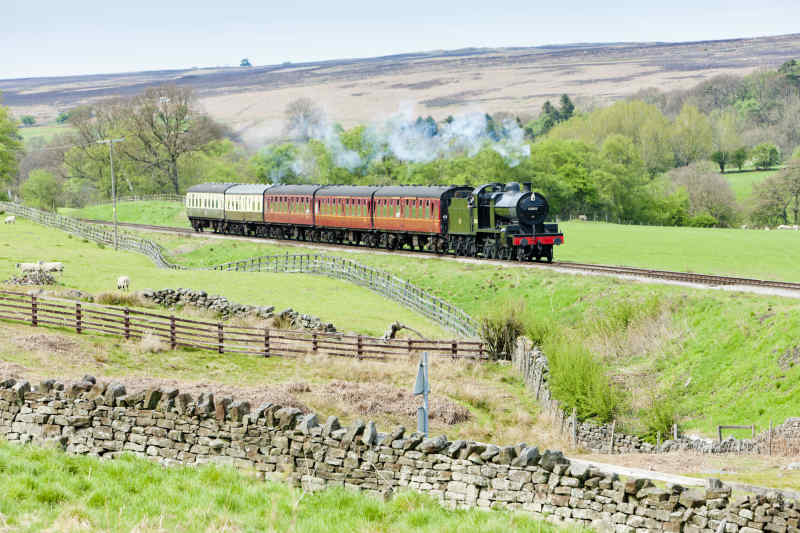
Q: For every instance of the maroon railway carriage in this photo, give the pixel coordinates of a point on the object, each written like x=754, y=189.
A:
x=290, y=204
x=344, y=207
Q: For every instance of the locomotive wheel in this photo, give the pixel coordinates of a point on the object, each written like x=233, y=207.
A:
x=520, y=254
x=472, y=250
x=549, y=254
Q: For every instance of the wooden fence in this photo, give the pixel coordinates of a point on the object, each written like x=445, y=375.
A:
x=143, y=198
x=223, y=338
x=384, y=283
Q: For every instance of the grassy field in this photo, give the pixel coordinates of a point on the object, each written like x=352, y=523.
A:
x=45, y=133
x=46, y=490
x=742, y=182
x=157, y=213
x=750, y=253
x=94, y=269
x=651, y=337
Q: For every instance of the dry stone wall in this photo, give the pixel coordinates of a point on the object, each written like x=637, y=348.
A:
x=105, y=420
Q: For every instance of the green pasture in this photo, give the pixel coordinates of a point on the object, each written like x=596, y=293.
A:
x=92, y=268
x=49, y=490
x=746, y=253
x=156, y=213
x=742, y=182
x=44, y=132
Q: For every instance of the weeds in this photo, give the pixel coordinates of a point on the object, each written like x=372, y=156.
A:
x=659, y=417
x=501, y=329
x=125, y=299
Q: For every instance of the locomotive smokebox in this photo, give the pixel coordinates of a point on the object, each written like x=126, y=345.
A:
x=523, y=207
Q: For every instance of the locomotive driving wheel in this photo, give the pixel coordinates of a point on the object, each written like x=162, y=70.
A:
x=548, y=254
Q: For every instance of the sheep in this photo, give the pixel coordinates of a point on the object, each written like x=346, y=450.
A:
x=123, y=283
x=582, y=217
x=45, y=267
x=11, y=219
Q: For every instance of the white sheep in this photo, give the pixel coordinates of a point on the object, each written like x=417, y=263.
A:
x=123, y=283
x=11, y=219
x=41, y=266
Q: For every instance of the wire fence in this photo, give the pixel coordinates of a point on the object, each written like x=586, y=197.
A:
x=177, y=332
x=384, y=283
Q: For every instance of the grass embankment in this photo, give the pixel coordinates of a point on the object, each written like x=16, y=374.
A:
x=721, y=357
x=91, y=268
x=170, y=214
x=735, y=252
x=49, y=490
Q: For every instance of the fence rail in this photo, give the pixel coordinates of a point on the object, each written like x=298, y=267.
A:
x=144, y=198
x=384, y=283
x=216, y=336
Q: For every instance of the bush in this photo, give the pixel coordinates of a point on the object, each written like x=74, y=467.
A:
x=578, y=379
x=500, y=331
x=766, y=155
x=659, y=418
x=703, y=220
x=119, y=298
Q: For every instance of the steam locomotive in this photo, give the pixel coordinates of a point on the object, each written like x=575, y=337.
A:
x=495, y=220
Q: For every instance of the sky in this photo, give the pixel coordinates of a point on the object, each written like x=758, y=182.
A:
x=57, y=37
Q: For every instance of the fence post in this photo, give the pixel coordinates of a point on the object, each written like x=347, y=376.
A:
x=172, y=340
x=753, y=431
x=719, y=433
x=314, y=343
x=613, y=428
x=675, y=431
x=360, y=347
x=266, y=342
x=127, y=323
x=575, y=426
x=78, y=327
x=658, y=441
x=769, y=437
x=34, y=312
x=220, y=338
x=454, y=349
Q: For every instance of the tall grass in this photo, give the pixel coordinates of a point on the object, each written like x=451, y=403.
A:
x=42, y=489
x=578, y=379
x=501, y=328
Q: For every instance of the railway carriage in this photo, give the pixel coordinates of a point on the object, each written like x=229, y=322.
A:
x=244, y=206
x=205, y=205
x=344, y=213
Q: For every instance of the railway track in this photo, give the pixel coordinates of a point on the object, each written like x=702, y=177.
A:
x=667, y=275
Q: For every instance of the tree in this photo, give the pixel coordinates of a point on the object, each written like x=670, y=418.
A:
x=304, y=119
x=245, y=63
x=62, y=117
x=567, y=108
x=163, y=126
x=766, y=155
x=28, y=120
x=10, y=147
x=739, y=157
x=41, y=190
x=709, y=193
x=692, y=136
x=721, y=158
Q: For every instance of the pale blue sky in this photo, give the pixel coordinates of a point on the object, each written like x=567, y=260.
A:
x=62, y=37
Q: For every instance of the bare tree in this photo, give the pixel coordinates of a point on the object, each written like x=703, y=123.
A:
x=304, y=119
x=709, y=192
x=164, y=124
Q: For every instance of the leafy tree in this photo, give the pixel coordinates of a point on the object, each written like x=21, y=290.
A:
x=245, y=63
x=62, y=117
x=10, y=147
x=275, y=164
x=164, y=125
x=765, y=155
x=721, y=158
x=41, y=190
x=739, y=157
x=692, y=137
x=791, y=69
x=709, y=193
x=28, y=120
x=567, y=108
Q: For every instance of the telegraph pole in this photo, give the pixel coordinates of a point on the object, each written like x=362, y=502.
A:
x=110, y=143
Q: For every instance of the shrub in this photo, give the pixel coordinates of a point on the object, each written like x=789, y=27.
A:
x=539, y=330
x=703, y=220
x=659, y=418
x=501, y=329
x=119, y=298
x=578, y=379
